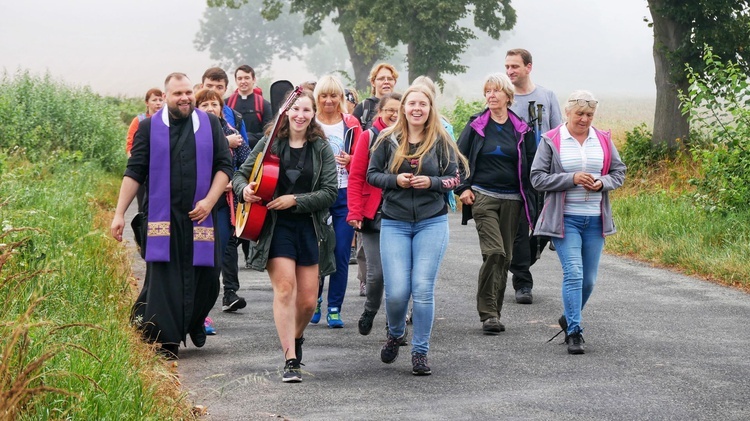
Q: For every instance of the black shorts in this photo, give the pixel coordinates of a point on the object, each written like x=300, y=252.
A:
x=295, y=238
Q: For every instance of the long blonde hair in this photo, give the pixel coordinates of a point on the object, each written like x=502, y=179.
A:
x=433, y=131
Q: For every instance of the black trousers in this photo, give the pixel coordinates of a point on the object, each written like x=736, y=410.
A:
x=525, y=252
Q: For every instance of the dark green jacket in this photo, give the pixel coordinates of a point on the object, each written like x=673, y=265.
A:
x=324, y=193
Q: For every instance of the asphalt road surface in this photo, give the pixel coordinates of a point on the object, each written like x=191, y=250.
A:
x=659, y=345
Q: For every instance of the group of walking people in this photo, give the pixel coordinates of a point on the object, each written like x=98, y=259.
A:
x=389, y=171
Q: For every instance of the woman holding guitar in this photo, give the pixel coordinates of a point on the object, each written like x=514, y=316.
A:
x=295, y=242
x=341, y=130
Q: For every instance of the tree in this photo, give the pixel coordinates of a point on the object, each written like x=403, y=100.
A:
x=433, y=34
x=429, y=29
x=681, y=28
x=239, y=34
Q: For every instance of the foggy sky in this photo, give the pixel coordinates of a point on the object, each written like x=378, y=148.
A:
x=128, y=46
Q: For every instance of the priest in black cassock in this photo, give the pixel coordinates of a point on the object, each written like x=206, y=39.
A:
x=182, y=156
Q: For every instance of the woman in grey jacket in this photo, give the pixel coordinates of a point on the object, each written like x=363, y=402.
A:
x=577, y=165
x=415, y=164
x=296, y=241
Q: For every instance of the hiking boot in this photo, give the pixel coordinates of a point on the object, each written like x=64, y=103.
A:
x=298, y=348
x=575, y=343
x=334, y=318
x=353, y=256
x=292, y=371
x=248, y=264
x=232, y=302
x=492, y=326
x=403, y=341
x=409, y=315
x=198, y=335
x=389, y=352
x=362, y=289
x=523, y=296
x=365, y=322
x=419, y=365
x=209, y=325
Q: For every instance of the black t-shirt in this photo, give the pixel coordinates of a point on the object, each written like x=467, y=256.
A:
x=497, y=161
x=254, y=127
x=304, y=181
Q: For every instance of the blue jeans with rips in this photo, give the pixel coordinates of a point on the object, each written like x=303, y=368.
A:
x=579, y=252
x=411, y=253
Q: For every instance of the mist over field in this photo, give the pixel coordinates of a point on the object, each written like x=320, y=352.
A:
x=125, y=47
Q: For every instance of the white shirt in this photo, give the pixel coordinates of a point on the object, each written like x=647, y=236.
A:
x=335, y=135
x=587, y=157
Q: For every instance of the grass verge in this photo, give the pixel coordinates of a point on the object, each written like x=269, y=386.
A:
x=67, y=348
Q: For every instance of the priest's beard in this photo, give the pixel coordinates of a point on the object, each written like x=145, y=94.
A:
x=175, y=111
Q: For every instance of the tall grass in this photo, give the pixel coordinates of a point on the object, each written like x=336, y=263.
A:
x=67, y=350
x=39, y=116
x=66, y=300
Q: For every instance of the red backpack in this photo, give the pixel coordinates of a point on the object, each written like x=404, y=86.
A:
x=232, y=101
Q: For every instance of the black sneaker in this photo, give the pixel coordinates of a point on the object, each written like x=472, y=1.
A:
x=292, y=371
x=389, y=352
x=232, y=302
x=419, y=365
x=298, y=348
x=523, y=296
x=563, y=322
x=492, y=326
x=575, y=344
x=403, y=341
x=365, y=322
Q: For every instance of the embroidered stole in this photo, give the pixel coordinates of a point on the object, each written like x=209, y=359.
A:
x=159, y=189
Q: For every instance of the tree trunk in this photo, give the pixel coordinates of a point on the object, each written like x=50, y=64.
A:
x=670, y=126
x=360, y=63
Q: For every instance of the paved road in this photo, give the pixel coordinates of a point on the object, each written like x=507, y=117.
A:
x=659, y=346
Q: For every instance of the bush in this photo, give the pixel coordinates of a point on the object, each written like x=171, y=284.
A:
x=40, y=116
x=461, y=112
x=718, y=105
x=639, y=153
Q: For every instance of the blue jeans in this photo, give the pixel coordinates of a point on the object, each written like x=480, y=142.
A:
x=411, y=253
x=579, y=252
x=342, y=252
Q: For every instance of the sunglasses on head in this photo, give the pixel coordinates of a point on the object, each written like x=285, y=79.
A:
x=584, y=102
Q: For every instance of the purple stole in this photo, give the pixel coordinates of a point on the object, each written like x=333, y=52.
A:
x=159, y=191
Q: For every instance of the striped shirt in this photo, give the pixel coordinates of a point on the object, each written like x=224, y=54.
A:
x=587, y=157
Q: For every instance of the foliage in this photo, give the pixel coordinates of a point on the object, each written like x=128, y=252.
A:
x=62, y=357
x=718, y=105
x=723, y=24
x=461, y=112
x=40, y=116
x=639, y=154
x=433, y=34
x=239, y=34
x=429, y=29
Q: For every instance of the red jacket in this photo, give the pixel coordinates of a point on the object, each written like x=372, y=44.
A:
x=363, y=199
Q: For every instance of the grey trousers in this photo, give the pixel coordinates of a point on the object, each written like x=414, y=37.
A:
x=374, y=279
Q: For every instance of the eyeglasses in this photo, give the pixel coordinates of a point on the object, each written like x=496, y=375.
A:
x=385, y=79
x=584, y=102
x=390, y=110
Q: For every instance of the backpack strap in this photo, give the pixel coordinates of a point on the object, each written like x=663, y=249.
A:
x=258, y=103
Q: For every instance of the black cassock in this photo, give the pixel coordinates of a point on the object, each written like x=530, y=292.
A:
x=177, y=296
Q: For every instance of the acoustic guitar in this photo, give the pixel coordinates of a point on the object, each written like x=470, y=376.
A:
x=250, y=217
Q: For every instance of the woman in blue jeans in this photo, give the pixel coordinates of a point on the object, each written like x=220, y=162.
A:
x=577, y=165
x=414, y=162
